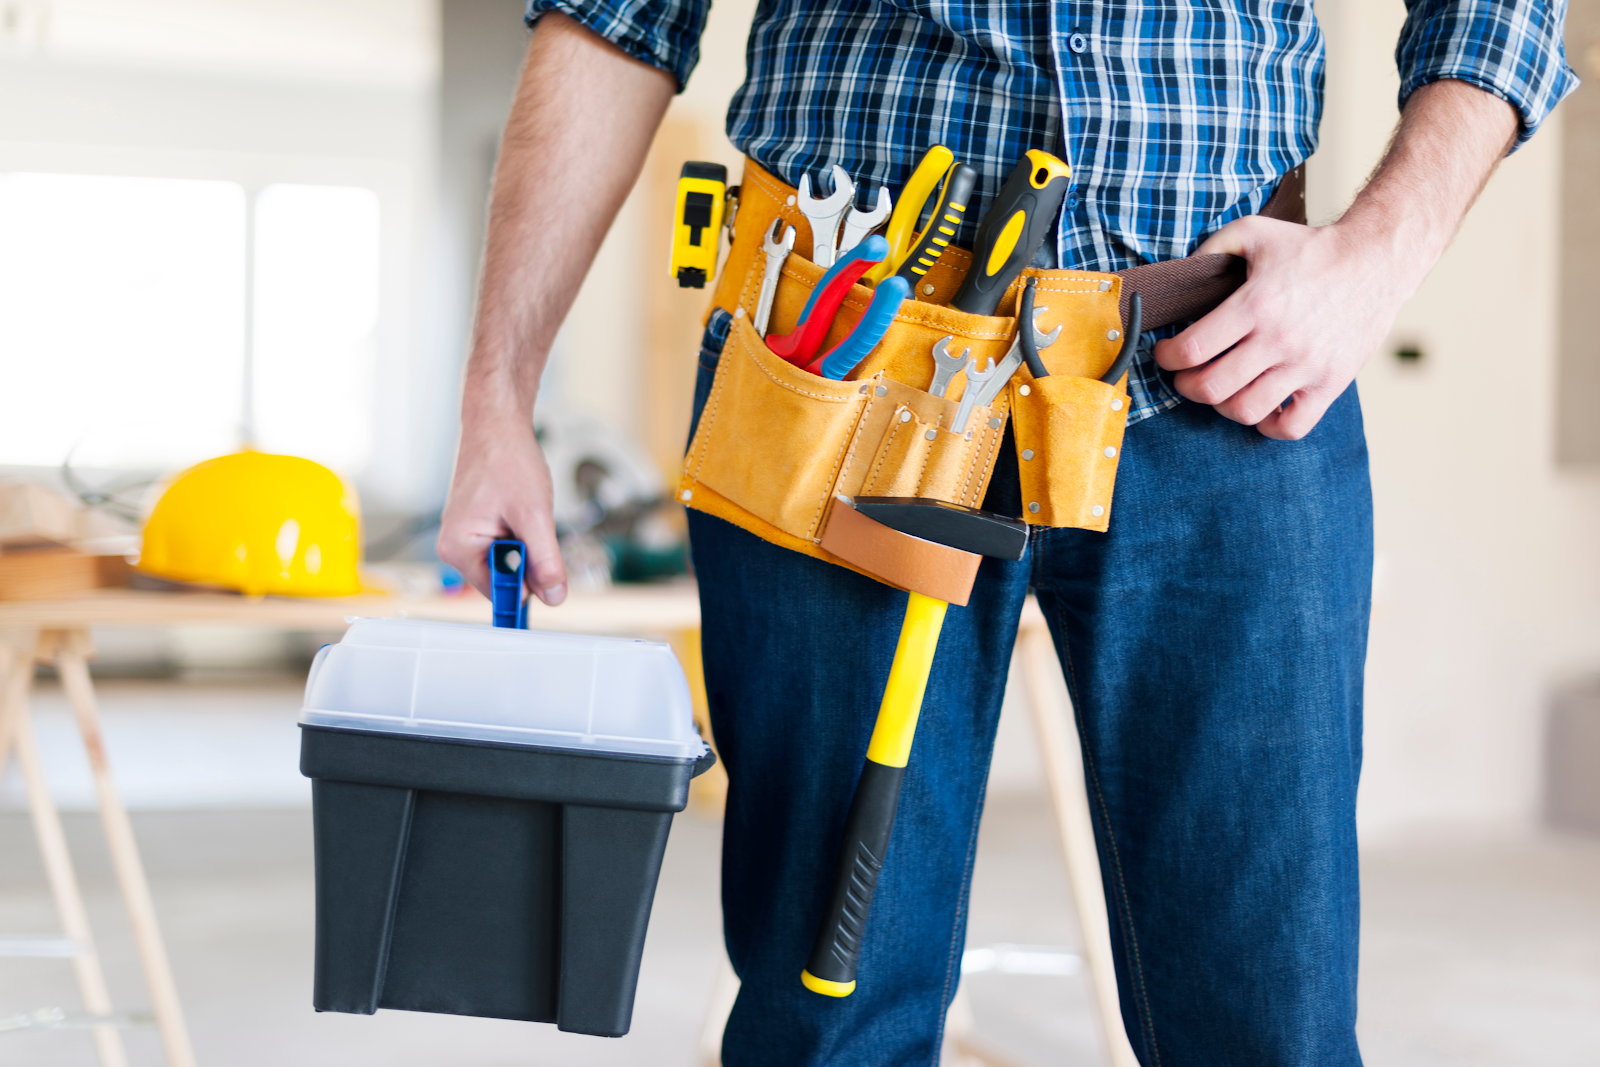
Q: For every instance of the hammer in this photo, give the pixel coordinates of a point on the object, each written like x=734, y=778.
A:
x=875, y=531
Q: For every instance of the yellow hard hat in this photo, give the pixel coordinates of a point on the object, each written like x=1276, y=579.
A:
x=258, y=523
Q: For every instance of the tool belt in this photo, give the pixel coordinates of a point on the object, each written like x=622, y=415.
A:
x=776, y=446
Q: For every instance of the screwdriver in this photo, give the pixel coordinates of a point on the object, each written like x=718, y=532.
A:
x=1013, y=229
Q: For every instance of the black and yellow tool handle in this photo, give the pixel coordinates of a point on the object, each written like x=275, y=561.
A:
x=942, y=224
x=1012, y=230
x=902, y=228
x=831, y=968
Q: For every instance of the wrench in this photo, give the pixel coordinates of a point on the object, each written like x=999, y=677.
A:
x=1013, y=360
x=969, y=399
x=945, y=365
x=860, y=223
x=777, y=251
x=825, y=215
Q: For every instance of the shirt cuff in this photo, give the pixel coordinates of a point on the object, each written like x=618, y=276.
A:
x=1511, y=49
x=663, y=33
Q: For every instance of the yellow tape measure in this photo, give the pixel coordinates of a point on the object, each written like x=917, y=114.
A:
x=697, y=223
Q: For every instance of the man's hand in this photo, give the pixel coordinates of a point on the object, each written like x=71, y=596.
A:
x=1319, y=300
x=581, y=123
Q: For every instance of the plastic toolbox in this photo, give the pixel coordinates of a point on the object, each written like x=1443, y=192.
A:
x=491, y=807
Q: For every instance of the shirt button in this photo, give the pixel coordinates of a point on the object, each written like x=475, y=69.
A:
x=1072, y=201
x=1078, y=43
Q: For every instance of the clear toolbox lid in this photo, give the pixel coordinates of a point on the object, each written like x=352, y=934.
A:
x=435, y=679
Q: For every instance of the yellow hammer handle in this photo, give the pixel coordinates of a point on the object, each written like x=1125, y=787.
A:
x=908, y=678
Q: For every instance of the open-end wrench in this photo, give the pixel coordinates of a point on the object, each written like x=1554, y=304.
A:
x=858, y=224
x=945, y=365
x=1008, y=366
x=969, y=398
x=825, y=215
x=777, y=251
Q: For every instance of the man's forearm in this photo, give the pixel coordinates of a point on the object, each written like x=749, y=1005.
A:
x=580, y=125
x=582, y=120
x=1449, y=141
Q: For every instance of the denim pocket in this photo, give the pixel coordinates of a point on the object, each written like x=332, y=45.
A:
x=711, y=345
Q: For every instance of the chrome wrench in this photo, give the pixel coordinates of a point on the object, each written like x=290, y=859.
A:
x=860, y=223
x=969, y=398
x=777, y=251
x=945, y=365
x=825, y=215
x=1008, y=366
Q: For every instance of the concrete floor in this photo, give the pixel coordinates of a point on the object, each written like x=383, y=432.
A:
x=1475, y=950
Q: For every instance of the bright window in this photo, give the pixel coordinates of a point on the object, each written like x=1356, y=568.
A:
x=121, y=319
x=316, y=318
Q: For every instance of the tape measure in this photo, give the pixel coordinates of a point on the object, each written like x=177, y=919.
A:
x=697, y=223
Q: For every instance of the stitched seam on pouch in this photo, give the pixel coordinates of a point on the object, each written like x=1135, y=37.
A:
x=795, y=388
x=883, y=453
x=1060, y=289
x=749, y=279
x=922, y=472
x=925, y=320
x=770, y=186
x=839, y=461
x=708, y=415
x=994, y=435
x=966, y=483
x=855, y=432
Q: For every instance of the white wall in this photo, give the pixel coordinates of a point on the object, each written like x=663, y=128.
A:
x=1488, y=587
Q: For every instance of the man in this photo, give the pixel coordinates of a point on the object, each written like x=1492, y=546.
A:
x=1213, y=639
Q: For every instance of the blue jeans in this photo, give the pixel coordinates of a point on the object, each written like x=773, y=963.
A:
x=1213, y=642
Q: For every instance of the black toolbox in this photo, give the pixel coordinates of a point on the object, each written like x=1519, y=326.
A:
x=486, y=875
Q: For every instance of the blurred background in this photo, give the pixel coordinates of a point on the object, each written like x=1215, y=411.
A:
x=229, y=221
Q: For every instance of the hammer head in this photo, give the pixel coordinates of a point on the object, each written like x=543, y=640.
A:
x=953, y=525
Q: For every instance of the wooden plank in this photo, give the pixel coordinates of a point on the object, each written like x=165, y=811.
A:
x=638, y=610
x=49, y=573
x=31, y=515
x=70, y=660
x=16, y=659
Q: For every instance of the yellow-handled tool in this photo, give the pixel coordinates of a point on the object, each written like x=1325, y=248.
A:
x=697, y=223
x=831, y=968
x=902, y=230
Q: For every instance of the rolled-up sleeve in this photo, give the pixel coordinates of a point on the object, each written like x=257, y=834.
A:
x=662, y=33
x=1511, y=48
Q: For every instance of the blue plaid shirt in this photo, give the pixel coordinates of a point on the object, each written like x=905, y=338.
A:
x=1177, y=117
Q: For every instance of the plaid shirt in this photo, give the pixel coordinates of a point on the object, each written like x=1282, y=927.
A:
x=1176, y=117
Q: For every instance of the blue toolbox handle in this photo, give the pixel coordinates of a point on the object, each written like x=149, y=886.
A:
x=508, y=563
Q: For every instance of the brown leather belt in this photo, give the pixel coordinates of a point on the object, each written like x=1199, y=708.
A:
x=1180, y=290
x=1174, y=290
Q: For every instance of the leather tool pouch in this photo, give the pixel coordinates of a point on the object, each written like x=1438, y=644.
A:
x=774, y=446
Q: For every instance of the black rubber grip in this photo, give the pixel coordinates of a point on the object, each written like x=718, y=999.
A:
x=983, y=287
x=837, y=948
x=954, y=200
